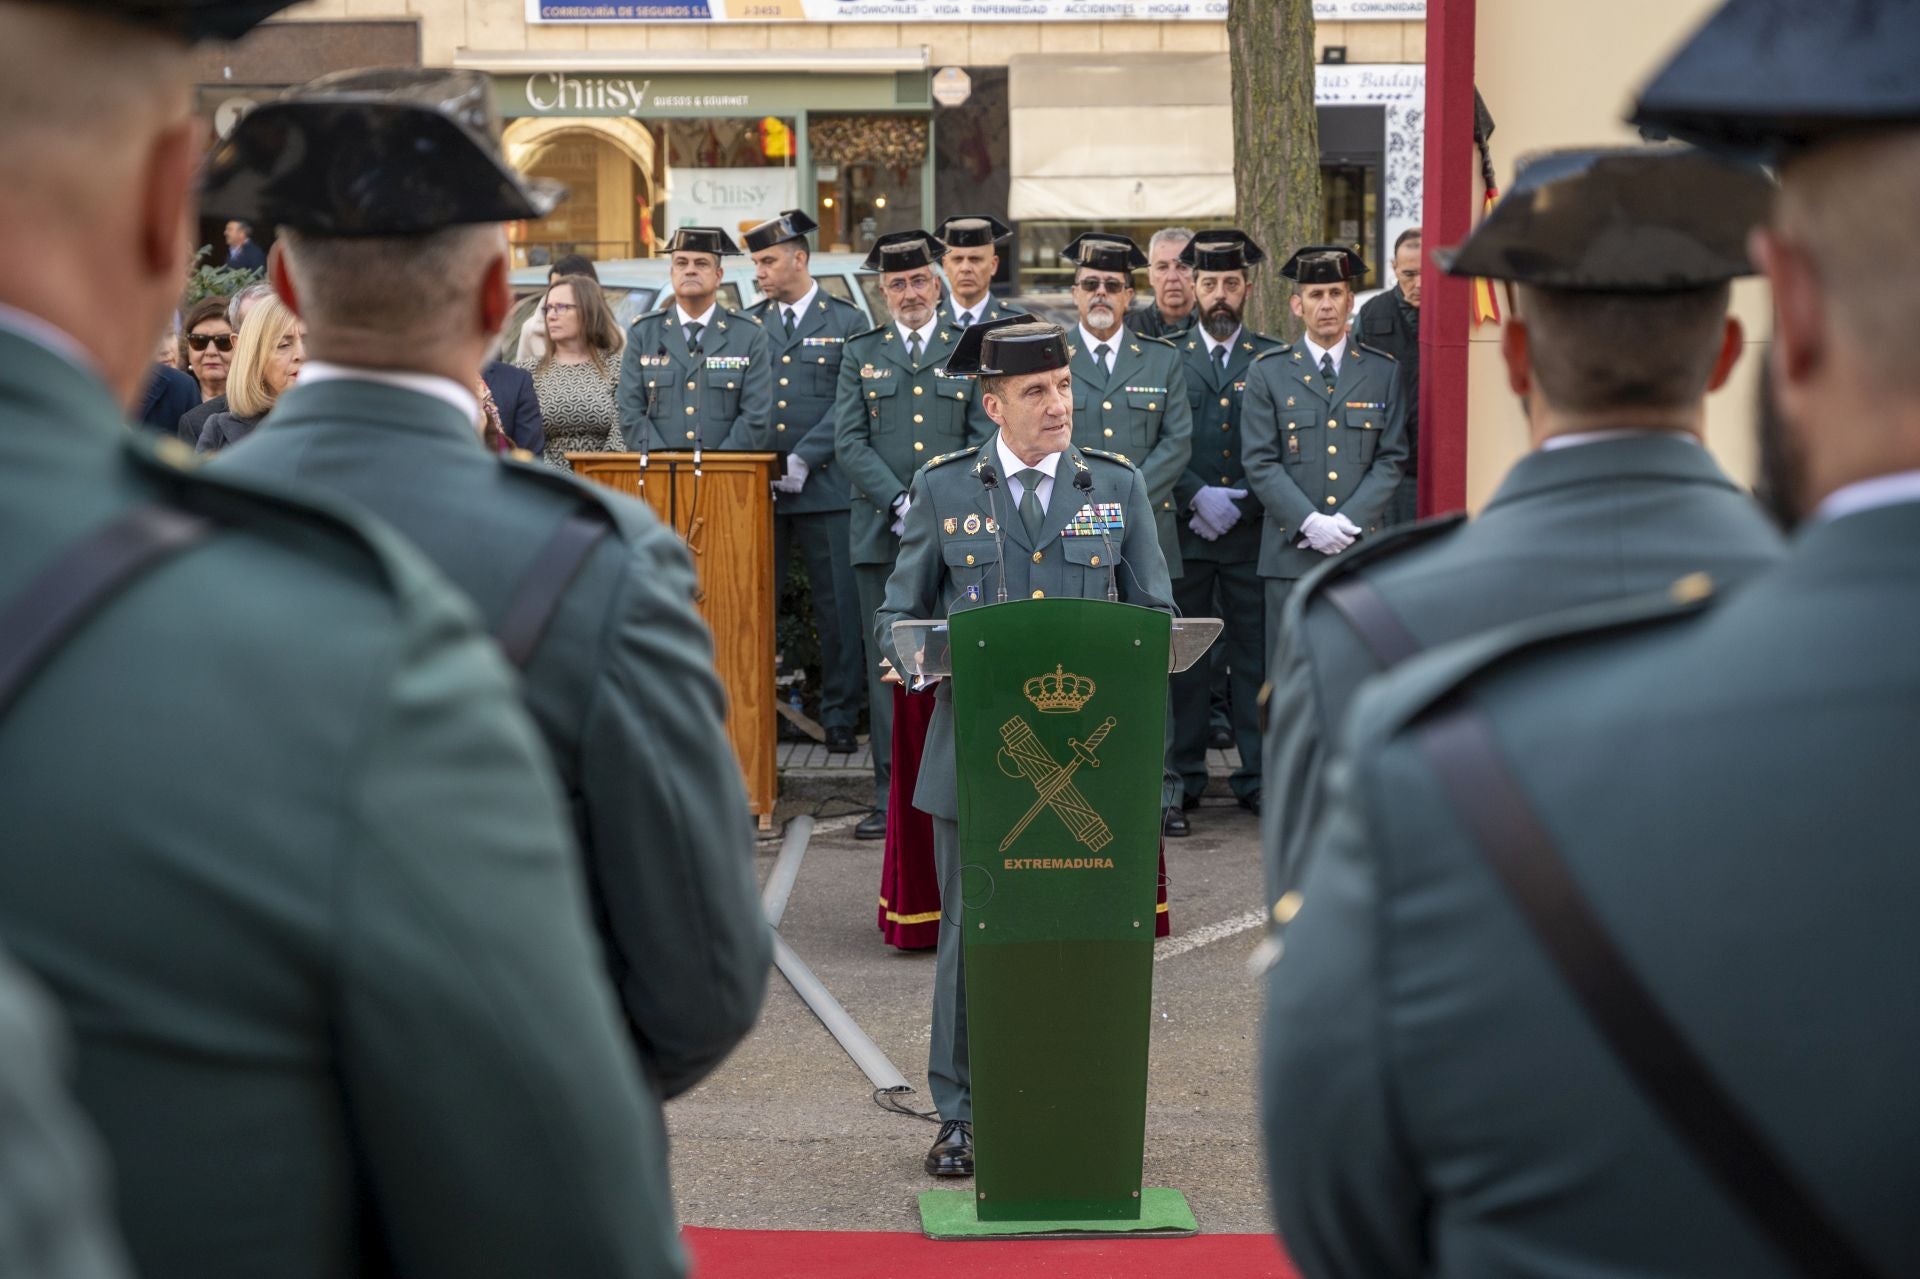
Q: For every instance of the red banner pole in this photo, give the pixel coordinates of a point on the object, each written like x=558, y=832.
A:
x=1446, y=319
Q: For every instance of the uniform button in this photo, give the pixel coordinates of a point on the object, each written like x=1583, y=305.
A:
x=1108, y=432
x=959, y=395
x=1036, y=557
x=1333, y=448
x=873, y=395
x=783, y=382
x=1369, y=426
x=1332, y=501
x=1333, y=475
x=1226, y=426
x=918, y=419
x=1106, y=404
x=1039, y=595
x=1225, y=480
x=969, y=559
x=689, y=410
x=1332, y=425
x=919, y=390
x=1095, y=561
x=1226, y=452
x=782, y=404
x=919, y=447
x=823, y=359
x=689, y=386
x=786, y=359
x=1223, y=401
x=1152, y=405
x=689, y=434
x=729, y=386
x=781, y=427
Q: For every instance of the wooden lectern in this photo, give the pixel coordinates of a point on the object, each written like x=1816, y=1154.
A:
x=725, y=514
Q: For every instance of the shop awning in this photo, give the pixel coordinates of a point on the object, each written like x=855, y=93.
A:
x=1120, y=137
x=695, y=61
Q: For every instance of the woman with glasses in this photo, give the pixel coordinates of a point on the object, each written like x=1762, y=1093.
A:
x=267, y=356
x=576, y=379
x=206, y=346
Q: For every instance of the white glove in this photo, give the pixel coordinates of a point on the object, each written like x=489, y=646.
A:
x=900, y=506
x=796, y=477
x=1347, y=526
x=1216, y=507
x=1324, y=535
x=1200, y=526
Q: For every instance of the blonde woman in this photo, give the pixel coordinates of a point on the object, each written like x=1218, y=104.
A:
x=266, y=361
x=576, y=379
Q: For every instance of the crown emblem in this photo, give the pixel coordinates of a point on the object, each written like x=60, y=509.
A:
x=1058, y=693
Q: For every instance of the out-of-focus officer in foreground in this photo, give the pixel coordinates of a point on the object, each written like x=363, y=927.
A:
x=1323, y=430
x=807, y=330
x=1622, y=261
x=1219, y=518
x=895, y=410
x=971, y=261
x=402, y=287
x=336, y=985
x=696, y=373
x=1604, y=961
x=951, y=560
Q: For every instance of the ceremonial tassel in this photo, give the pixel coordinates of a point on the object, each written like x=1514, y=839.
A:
x=1486, y=303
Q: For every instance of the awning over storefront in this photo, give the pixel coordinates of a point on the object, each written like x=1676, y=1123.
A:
x=1120, y=137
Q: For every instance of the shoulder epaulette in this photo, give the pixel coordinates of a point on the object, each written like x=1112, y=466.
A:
x=1374, y=350
x=1157, y=340
x=1121, y=458
x=867, y=333
x=954, y=456
x=1370, y=552
x=1282, y=349
x=657, y=312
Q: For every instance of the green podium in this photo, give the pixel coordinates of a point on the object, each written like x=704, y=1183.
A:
x=1059, y=733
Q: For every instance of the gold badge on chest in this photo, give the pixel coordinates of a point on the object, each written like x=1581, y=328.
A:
x=950, y=526
x=972, y=525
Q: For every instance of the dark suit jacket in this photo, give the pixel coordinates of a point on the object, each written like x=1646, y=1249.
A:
x=194, y=420
x=248, y=257
x=169, y=394
x=519, y=407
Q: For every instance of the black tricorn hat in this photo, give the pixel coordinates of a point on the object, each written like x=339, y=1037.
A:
x=702, y=239
x=189, y=20
x=1103, y=251
x=973, y=231
x=1619, y=220
x=1763, y=78
x=388, y=151
x=1324, y=264
x=904, y=251
x=792, y=224
x=1227, y=249
x=1009, y=347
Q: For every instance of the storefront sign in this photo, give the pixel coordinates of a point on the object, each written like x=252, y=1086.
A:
x=944, y=10
x=696, y=96
x=731, y=199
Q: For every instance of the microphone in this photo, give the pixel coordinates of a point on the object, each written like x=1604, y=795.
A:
x=990, y=480
x=1083, y=480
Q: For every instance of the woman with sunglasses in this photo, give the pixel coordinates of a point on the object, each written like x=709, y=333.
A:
x=576, y=379
x=206, y=346
x=267, y=356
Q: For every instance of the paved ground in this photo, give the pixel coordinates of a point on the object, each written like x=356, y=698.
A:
x=786, y=1136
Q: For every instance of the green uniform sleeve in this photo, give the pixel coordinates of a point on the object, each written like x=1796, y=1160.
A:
x=630, y=399
x=503, y=1127
x=1170, y=453
x=670, y=835
x=753, y=422
x=1260, y=454
x=1295, y=755
x=913, y=589
x=1368, y=504
x=853, y=439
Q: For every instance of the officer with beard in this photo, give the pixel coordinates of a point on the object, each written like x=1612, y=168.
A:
x=1219, y=518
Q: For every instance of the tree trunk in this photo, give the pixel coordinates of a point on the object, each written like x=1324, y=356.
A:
x=1276, y=145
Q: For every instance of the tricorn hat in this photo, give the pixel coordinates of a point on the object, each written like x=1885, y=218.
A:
x=1103, y=251
x=1324, y=264
x=792, y=224
x=1619, y=220
x=388, y=151
x=1009, y=347
x=702, y=239
x=1765, y=77
x=973, y=231
x=190, y=20
x=1227, y=249
x=904, y=251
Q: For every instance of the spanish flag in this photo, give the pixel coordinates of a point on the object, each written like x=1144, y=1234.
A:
x=1486, y=303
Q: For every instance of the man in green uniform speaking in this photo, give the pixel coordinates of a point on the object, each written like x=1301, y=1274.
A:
x=1323, y=430
x=986, y=524
x=696, y=374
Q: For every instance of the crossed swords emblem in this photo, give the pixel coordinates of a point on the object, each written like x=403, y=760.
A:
x=1024, y=756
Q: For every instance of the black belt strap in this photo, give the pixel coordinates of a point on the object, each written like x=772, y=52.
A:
x=1459, y=743
x=1374, y=620
x=64, y=595
x=537, y=597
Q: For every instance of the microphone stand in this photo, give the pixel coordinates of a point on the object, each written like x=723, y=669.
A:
x=990, y=480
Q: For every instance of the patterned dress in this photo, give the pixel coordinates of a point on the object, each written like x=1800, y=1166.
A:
x=577, y=403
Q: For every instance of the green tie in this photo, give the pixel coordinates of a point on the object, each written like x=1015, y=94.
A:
x=913, y=348
x=1030, y=513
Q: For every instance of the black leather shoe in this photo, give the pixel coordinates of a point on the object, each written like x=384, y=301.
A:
x=1251, y=802
x=952, y=1153
x=1189, y=801
x=1173, y=824
x=872, y=826
x=840, y=741
x=1220, y=739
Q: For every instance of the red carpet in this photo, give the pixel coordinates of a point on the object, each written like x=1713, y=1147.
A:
x=825, y=1254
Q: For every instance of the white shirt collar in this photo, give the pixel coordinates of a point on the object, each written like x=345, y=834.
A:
x=1868, y=495
x=1011, y=466
x=444, y=389
x=1338, y=351
x=1575, y=440
x=799, y=308
x=1112, y=344
x=51, y=336
x=925, y=331
x=1213, y=346
x=975, y=313
x=706, y=318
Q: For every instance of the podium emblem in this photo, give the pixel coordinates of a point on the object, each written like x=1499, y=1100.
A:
x=1022, y=754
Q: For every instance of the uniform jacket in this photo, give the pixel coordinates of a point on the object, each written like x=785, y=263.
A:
x=950, y=560
x=344, y=965
x=1308, y=451
x=1139, y=411
x=993, y=308
x=1214, y=398
x=622, y=687
x=806, y=378
x=668, y=395
x=1733, y=793
x=1567, y=527
x=890, y=419
x=1148, y=322
x=1383, y=325
x=519, y=406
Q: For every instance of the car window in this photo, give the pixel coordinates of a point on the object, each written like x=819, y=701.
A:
x=876, y=300
x=630, y=304
x=836, y=286
x=509, y=343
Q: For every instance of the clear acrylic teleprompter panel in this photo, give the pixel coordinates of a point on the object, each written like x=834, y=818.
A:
x=926, y=645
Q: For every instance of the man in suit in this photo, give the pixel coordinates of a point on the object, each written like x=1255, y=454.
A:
x=1609, y=919
x=1171, y=313
x=971, y=261
x=895, y=408
x=242, y=253
x=324, y=981
x=807, y=330
x=512, y=391
x=1220, y=518
x=696, y=374
x=170, y=394
x=1323, y=431
x=1619, y=496
x=1390, y=322
x=950, y=559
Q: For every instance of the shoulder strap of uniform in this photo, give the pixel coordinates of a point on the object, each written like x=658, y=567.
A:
x=536, y=596
x=1360, y=603
x=1374, y=350
x=64, y=595
x=1459, y=744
